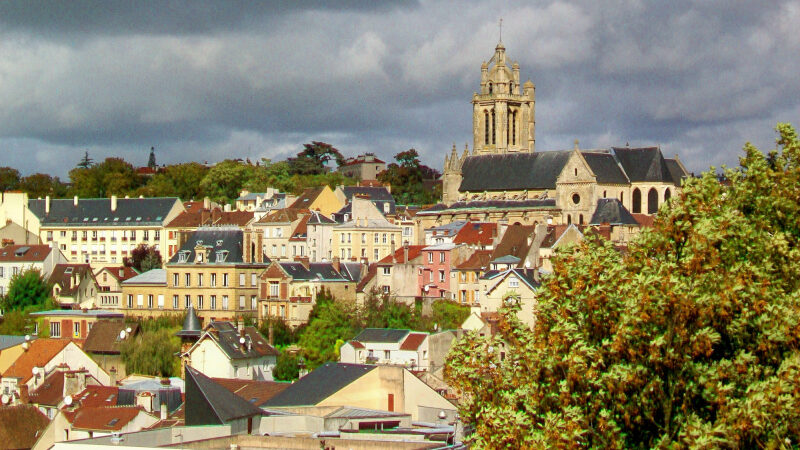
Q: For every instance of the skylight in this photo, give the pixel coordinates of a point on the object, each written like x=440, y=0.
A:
x=113, y=422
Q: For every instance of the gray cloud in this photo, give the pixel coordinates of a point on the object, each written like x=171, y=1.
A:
x=206, y=80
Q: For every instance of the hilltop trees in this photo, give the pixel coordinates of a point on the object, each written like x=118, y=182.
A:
x=406, y=179
x=689, y=340
x=144, y=258
x=312, y=160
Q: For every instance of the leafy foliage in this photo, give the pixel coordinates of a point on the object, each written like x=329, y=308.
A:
x=287, y=367
x=282, y=334
x=144, y=258
x=27, y=290
x=179, y=180
x=406, y=178
x=313, y=158
x=16, y=323
x=114, y=176
x=330, y=321
x=690, y=340
x=152, y=352
x=42, y=185
x=9, y=179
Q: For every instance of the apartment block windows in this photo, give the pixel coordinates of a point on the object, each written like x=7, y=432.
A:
x=145, y=235
x=213, y=280
x=200, y=280
x=175, y=302
x=225, y=279
x=224, y=302
x=441, y=276
x=375, y=236
x=55, y=329
x=253, y=302
x=363, y=238
x=430, y=257
x=376, y=254
x=188, y=301
x=150, y=301
x=383, y=238
x=253, y=279
x=200, y=302
x=130, y=301
x=242, y=304
x=242, y=280
x=157, y=235
x=273, y=289
x=213, y=302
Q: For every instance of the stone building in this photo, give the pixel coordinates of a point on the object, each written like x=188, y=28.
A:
x=503, y=178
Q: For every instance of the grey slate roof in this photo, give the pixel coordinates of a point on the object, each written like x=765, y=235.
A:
x=676, y=171
x=611, y=211
x=228, y=339
x=324, y=271
x=219, y=239
x=378, y=195
x=97, y=211
x=319, y=219
x=152, y=276
x=503, y=205
x=382, y=335
x=208, y=403
x=605, y=167
x=191, y=325
x=7, y=341
x=320, y=384
x=513, y=171
x=643, y=164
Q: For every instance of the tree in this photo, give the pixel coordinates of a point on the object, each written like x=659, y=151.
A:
x=144, y=258
x=313, y=158
x=448, y=315
x=407, y=179
x=689, y=340
x=152, y=352
x=282, y=334
x=114, y=176
x=85, y=162
x=9, y=179
x=15, y=323
x=27, y=290
x=287, y=367
x=42, y=185
x=330, y=321
x=224, y=181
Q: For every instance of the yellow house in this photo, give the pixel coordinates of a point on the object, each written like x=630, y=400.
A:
x=386, y=388
x=11, y=347
x=320, y=199
x=511, y=284
x=366, y=235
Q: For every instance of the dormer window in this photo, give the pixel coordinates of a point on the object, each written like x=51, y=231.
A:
x=219, y=243
x=222, y=255
x=183, y=256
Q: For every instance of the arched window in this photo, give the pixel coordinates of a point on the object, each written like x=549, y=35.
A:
x=486, y=127
x=637, y=201
x=490, y=88
x=667, y=194
x=604, y=194
x=510, y=88
x=652, y=201
x=514, y=128
x=494, y=131
x=569, y=219
x=580, y=220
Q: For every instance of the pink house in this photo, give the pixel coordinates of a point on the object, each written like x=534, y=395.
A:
x=435, y=273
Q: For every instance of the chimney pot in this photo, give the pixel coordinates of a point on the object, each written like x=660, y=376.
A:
x=163, y=411
x=75, y=200
x=113, y=203
x=47, y=204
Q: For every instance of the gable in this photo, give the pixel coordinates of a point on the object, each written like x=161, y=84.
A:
x=575, y=170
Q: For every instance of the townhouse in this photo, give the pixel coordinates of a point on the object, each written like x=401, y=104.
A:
x=367, y=235
x=15, y=259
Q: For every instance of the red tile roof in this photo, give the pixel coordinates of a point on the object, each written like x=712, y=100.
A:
x=644, y=219
x=41, y=351
x=34, y=253
x=477, y=260
x=301, y=229
x=476, y=233
x=94, y=396
x=21, y=425
x=413, y=341
x=102, y=418
x=255, y=392
x=215, y=216
x=51, y=391
x=398, y=256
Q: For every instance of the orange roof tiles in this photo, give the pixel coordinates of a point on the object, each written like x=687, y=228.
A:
x=398, y=256
x=41, y=351
x=644, y=219
x=21, y=425
x=34, y=253
x=413, y=341
x=105, y=418
x=255, y=392
x=477, y=260
x=476, y=233
x=94, y=396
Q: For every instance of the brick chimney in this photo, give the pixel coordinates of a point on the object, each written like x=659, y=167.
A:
x=304, y=260
x=23, y=394
x=405, y=252
x=336, y=263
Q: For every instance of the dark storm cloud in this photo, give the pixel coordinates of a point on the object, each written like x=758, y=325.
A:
x=208, y=80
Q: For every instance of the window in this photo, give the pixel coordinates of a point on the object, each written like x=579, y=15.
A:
x=273, y=289
x=150, y=301
x=1, y=272
x=283, y=249
x=342, y=238
x=49, y=235
x=253, y=279
x=133, y=235
x=63, y=233
x=188, y=279
x=175, y=302
x=213, y=280
x=283, y=311
x=494, y=133
x=76, y=329
x=387, y=270
x=83, y=235
x=253, y=302
x=441, y=256
x=386, y=354
x=375, y=236
x=406, y=231
x=377, y=256
x=200, y=302
x=242, y=280
x=55, y=329
x=513, y=282
x=160, y=301
x=213, y=302
x=363, y=238
x=386, y=289
x=200, y=280
x=157, y=235
x=383, y=238
x=224, y=302
x=441, y=275
x=145, y=235
x=188, y=301
x=74, y=235
x=274, y=250
x=242, y=304
x=225, y=279
x=140, y=300
x=386, y=208
x=430, y=257
x=130, y=301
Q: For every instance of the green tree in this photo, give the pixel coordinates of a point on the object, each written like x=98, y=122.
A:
x=114, y=176
x=144, y=258
x=42, y=185
x=224, y=181
x=447, y=315
x=689, y=340
x=286, y=368
x=15, y=323
x=9, y=179
x=330, y=321
x=27, y=290
x=178, y=180
x=407, y=179
x=282, y=334
x=313, y=159
x=153, y=352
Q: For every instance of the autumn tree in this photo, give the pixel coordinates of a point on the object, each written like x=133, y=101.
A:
x=690, y=339
x=9, y=179
x=407, y=177
x=113, y=176
x=42, y=185
x=224, y=181
x=152, y=352
x=144, y=258
x=178, y=180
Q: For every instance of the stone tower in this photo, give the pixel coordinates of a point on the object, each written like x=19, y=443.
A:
x=503, y=118
x=451, y=175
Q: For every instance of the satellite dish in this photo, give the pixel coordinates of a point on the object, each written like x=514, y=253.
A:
x=527, y=264
x=68, y=400
x=25, y=346
x=27, y=338
x=549, y=220
x=35, y=371
x=128, y=330
x=122, y=334
x=4, y=399
x=241, y=340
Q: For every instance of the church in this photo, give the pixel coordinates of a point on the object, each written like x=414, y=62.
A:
x=504, y=178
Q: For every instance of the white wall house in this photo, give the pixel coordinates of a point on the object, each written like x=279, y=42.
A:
x=16, y=259
x=385, y=346
x=223, y=351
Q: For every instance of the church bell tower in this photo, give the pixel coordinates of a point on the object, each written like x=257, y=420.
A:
x=503, y=119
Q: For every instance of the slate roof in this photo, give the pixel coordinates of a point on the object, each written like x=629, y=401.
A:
x=285, y=215
x=320, y=384
x=21, y=425
x=605, y=167
x=152, y=276
x=218, y=239
x=676, y=171
x=97, y=211
x=209, y=403
x=492, y=205
x=7, y=341
x=324, y=271
x=24, y=253
x=41, y=351
x=378, y=195
x=319, y=219
x=62, y=273
x=104, y=339
x=611, y=211
x=381, y=335
x=227, y=336
x=643, y=164
x=351, y=270
x=449, y=229
x=513, y=171
x=254, y=391
x=526, y=275
x=191, y=325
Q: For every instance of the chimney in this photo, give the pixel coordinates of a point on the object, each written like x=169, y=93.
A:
x=393, y=247
x=75, y=201
x=304, y=260
x=47, y=204
x=113, y=203
x=206, y=203
x=113, y=375
x=271, y=335
x=240, y=326
x=336, y=263
x=163, y=411
x=227, y=208
x=405, y=252
x=23, y=394
x=71, y=385
x=246, y=256
x=81, y=380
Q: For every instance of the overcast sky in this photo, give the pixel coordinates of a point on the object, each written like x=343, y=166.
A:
x=206, y=80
